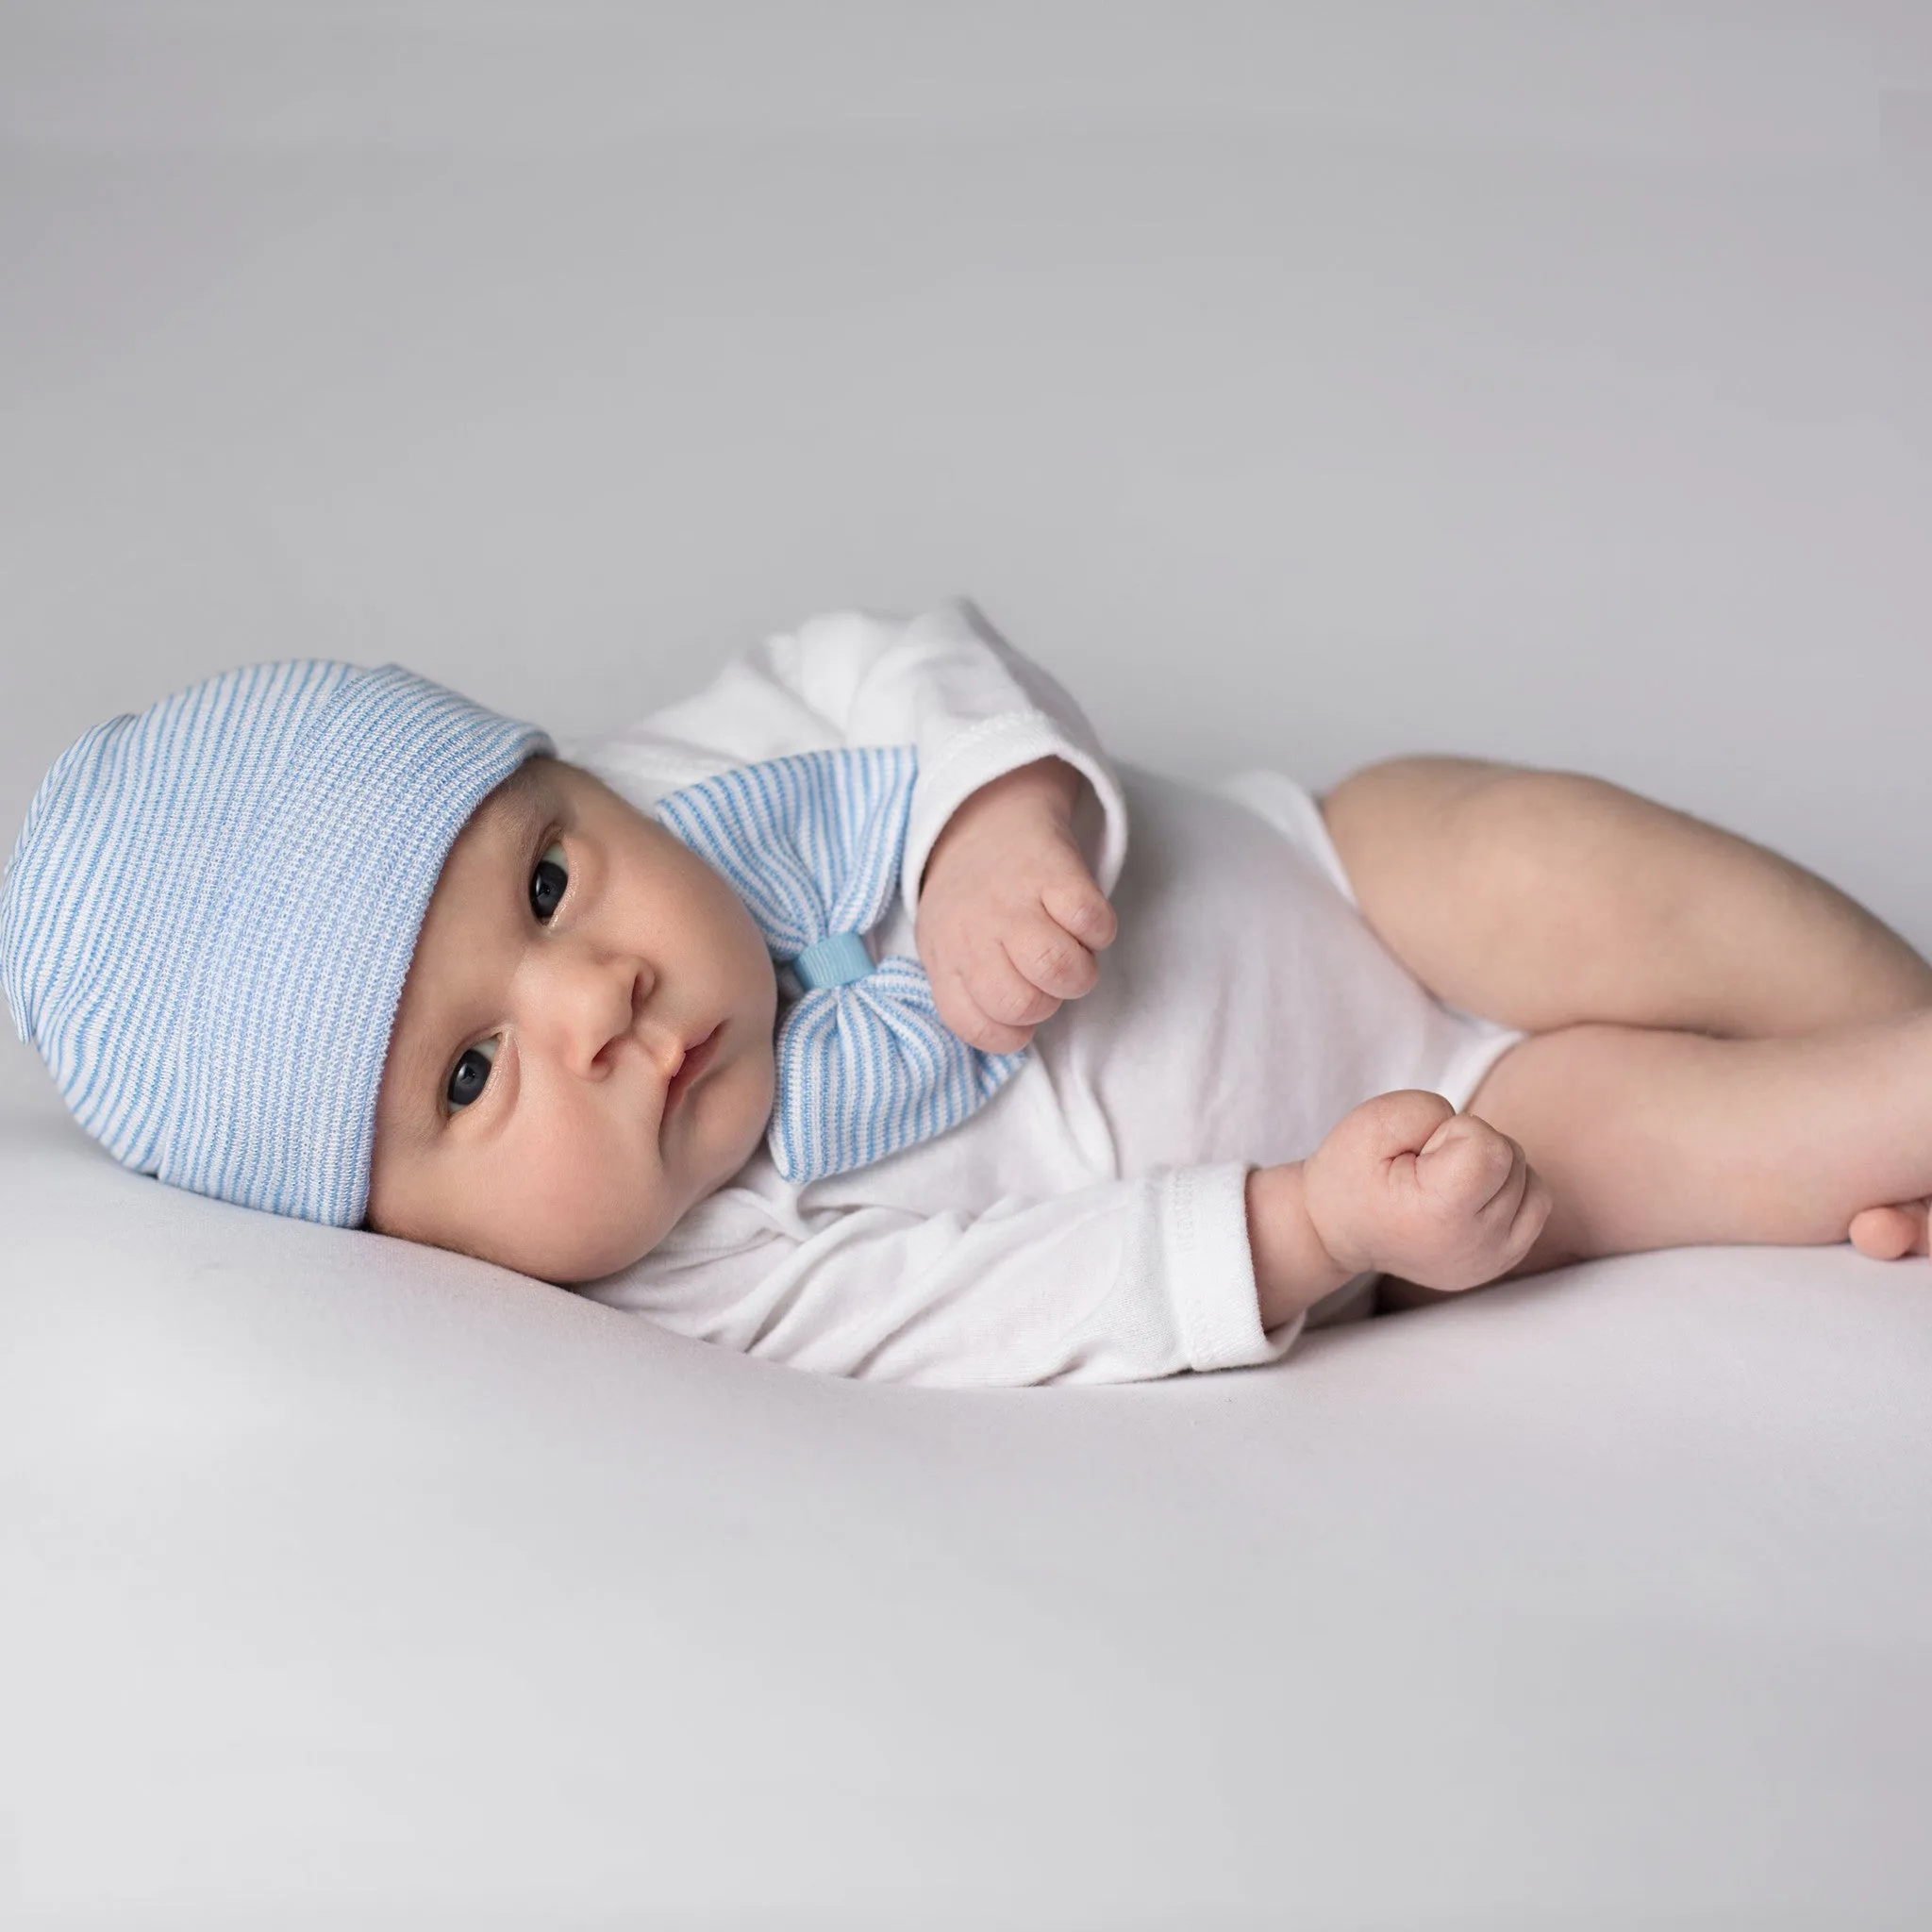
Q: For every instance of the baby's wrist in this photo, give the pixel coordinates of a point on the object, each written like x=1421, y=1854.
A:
x=1028, y=808
x=1293, y=1267
x=1051, y=781
x=1045, y=791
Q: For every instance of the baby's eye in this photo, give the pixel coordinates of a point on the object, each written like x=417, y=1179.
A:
x=547, y=883
x=470, y=1075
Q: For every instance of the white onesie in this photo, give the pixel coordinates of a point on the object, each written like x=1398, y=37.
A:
x=1087, y=1224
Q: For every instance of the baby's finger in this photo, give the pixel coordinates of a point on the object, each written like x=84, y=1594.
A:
x=1395, y=1127
x=1050, y=959
x=1532, y=1215
x=1004, y=993
x=1503, y=1215
x=1079, y=908
x=1503, y=1206
x=991, y=1037
x=1465, y=1164
x=963, y=1015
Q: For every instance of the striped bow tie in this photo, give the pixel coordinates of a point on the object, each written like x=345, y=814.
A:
x=812, y=844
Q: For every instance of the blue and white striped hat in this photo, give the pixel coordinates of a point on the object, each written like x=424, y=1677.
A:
x=211, y=910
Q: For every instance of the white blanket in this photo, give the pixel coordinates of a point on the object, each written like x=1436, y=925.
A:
x=351, y=1583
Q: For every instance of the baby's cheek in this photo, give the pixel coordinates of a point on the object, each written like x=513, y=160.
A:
x=747, y=1106
x=583, y=1204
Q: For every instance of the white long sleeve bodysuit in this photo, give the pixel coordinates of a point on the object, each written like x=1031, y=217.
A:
x=1088, y=1224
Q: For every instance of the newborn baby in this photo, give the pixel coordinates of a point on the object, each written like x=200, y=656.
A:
x=396, y=963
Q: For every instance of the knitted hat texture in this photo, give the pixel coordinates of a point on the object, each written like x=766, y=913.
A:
x=211, y=908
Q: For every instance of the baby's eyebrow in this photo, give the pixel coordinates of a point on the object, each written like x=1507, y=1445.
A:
x=527, y=812
x=522, y=800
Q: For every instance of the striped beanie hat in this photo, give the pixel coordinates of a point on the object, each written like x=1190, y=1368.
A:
x=211, y=908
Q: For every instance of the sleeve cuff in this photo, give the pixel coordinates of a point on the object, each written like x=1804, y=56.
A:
x=1211, y=1273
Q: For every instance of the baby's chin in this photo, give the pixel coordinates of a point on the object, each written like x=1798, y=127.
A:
x=592, y=1221
x=566, y=1256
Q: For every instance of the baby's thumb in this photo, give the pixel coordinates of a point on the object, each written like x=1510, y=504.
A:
x=1393, y=1124
x=1465, y=1160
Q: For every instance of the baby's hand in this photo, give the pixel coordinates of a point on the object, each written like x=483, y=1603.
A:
x=1407, y=1186
x=1009, y=918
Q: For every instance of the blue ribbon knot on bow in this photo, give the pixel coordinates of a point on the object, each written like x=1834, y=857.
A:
x=812, y=844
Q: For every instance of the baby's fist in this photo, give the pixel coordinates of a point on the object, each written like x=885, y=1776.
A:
x=1407, y=1186
x=1010, y=917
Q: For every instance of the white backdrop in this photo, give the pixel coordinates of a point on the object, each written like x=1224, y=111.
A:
x=1302, y=385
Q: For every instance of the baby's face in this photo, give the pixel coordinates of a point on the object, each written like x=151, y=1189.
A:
x=584, y=1043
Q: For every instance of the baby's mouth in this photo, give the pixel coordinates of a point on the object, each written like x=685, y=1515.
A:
x=697, y=1056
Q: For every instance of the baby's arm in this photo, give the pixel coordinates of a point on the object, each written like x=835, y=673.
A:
x=944, y=682
x=1404, y=1185
x=1114, y=1282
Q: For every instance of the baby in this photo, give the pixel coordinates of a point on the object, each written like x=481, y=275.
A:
x=785, y=1019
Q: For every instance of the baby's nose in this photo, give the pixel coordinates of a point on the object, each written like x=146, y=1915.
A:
x=619, y=1022
x=590, y=1006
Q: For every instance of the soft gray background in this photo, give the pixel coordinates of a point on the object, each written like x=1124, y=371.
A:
x=1300, y=384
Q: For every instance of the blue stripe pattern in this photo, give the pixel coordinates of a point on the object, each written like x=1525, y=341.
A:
x=210, y=911
x=812, y=844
